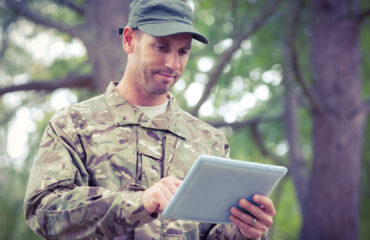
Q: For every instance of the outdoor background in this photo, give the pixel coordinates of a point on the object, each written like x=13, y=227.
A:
x=287, y=80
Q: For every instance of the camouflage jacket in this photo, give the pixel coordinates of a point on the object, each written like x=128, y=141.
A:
x=96, y=158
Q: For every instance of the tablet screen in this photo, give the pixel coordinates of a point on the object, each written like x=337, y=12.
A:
x=214, y=184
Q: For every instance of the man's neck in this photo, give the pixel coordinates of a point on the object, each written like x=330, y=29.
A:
x=137, y=96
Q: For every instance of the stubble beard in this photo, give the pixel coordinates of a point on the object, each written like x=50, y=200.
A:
x=146, y=80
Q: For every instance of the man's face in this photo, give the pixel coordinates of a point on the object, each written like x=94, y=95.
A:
x=160, y=61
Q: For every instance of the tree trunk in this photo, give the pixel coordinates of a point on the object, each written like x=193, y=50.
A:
x=332, y=210
x=102, y=41
x=298, y=168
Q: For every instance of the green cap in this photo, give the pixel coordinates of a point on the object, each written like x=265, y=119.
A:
x=163, y=18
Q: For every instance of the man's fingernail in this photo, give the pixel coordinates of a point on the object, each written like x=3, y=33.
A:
x=256, y=198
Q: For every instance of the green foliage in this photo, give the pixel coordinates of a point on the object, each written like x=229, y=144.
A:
x=221, y=21
x=75, y=65
x=12, y=223
x=58, y=13
x=365, y=189
x=242, y=146
x=288, y=219
x=11, y=63
x=17, y=65
x=365, y=52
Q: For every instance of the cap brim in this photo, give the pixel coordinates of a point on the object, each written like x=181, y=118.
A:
x=170, y=28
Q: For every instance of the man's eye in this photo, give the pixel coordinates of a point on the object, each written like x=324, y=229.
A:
x=160, y=47
x=184, y=52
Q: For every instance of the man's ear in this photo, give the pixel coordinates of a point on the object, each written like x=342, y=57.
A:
x=128, y=38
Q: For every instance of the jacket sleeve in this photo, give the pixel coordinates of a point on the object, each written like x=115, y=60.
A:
x=60, y=204
x=226, y=232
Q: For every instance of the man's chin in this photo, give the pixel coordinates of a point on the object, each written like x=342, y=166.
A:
x=158, y=90
x=159, y=85
x=164, y=86
x=162, y=91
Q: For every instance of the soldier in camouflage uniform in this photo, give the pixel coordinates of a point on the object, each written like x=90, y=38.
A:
x=107, y=167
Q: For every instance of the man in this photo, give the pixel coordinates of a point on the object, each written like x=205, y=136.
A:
x=108, y=166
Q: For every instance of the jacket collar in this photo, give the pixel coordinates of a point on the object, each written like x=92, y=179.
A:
x=125, y=114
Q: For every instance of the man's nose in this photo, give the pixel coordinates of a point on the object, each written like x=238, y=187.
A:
x=173, y=61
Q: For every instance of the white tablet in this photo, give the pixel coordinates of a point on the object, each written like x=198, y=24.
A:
x=215, y=184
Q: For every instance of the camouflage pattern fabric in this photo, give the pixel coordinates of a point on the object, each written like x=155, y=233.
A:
x=96, y=158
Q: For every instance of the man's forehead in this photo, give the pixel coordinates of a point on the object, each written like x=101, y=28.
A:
x=180, y=38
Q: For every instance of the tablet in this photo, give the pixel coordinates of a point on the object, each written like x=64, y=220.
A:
x=215, y=184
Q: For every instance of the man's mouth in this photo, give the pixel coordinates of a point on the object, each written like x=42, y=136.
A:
x=167, y=76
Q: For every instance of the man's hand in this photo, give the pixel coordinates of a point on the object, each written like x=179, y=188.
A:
x=263, y=214
x=156, y=198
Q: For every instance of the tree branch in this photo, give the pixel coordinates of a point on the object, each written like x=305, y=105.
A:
x=247, y=122
x=225, y=58
x=22, y=10
x=294, y=58
x=71, y=5
x=253, y=126
x=71, y=81
x=363, y=15
x=259, y=141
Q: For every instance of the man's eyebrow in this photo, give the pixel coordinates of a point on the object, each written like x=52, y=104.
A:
x=161, y=40
x=164, y=41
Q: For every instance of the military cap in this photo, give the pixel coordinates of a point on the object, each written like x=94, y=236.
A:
x=163, y=18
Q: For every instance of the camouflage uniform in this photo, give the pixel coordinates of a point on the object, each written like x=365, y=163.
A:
x=96, y=158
